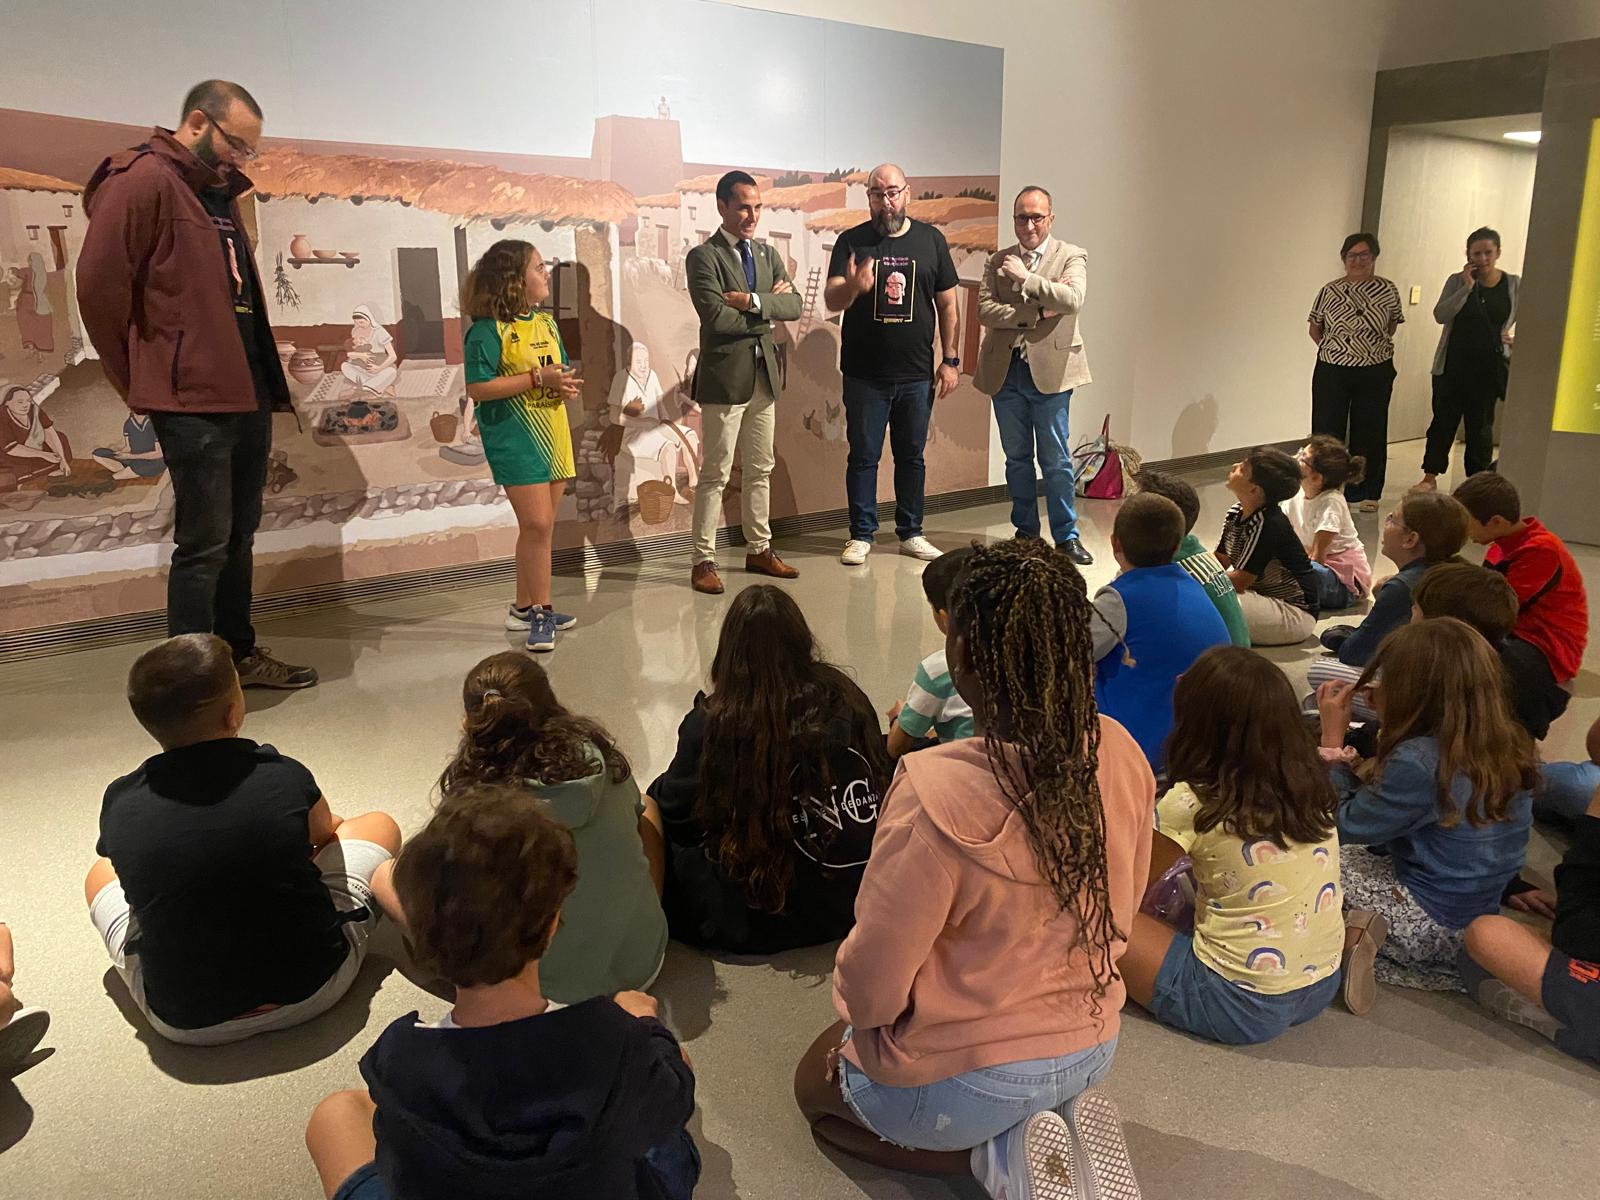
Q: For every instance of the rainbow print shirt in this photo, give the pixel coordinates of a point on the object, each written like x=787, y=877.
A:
x=1267, y=918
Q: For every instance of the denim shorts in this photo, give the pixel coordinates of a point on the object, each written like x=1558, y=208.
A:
x=364, y=1183
x=1192, y=997
x=969, y=1109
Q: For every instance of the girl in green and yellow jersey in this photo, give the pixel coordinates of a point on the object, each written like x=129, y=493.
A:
x=518, y=378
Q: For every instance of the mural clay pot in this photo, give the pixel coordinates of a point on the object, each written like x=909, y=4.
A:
x=306, y=366
x=443, y=426
x=299, y=246
x=285, y=353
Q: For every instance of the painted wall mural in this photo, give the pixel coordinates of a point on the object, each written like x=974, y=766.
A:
x=362, y=247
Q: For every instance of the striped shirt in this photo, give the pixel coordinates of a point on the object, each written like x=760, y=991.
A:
x=933, y=703
x=1264, y=545
x=1355, y=316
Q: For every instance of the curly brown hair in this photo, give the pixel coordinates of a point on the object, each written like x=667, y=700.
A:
x=517, y=731
x=1440, y=679
x=1239, y=743
x=1331, y=458
x=496, y=286
x=482, y=883
x=1022, y=612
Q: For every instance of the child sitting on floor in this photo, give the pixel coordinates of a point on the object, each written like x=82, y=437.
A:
x=1549, y=984
x=933, y=707
x=613, y=933
x=1192, y=554
x=980, y=983
x=1278, y=590
x=1322, y=521
x=21, y=1029
x=231, y=899
x=1448, y=797
x=511, y=1094
x=1553, y=615
x=1254, y=810
x=1425, y=529
x=1151, y=622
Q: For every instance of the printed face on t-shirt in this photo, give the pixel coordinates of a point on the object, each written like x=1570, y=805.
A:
x=896, y=280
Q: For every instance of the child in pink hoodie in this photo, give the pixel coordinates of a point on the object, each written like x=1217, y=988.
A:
x=980, y=980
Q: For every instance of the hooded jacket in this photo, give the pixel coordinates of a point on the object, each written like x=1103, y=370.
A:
x=613, y=932
x=961, y=957
x=564, y=1106
x=153, y=291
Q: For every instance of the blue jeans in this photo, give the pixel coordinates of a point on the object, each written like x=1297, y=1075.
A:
x=904, y=409
x=1192, y=997
x=1565, y=790
x=969, y=1109
x=1030, y=422
x=1331, y=588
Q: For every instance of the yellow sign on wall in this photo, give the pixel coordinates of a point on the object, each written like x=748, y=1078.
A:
x=1578, y=385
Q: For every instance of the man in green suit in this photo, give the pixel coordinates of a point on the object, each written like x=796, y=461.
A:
x=739, y=287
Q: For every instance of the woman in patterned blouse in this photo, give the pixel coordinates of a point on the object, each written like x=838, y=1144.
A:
x=1353, y=323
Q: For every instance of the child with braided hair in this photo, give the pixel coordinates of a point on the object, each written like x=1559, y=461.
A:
x=975, y=1019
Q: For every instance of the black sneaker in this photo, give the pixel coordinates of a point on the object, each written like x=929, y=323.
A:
x=1074, y=550
x=260, y=669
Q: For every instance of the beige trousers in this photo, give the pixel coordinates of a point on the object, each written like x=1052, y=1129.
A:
x=1274, y=623
x=746, y=430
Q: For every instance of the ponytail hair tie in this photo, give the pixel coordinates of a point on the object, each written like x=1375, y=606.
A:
x=487, y=692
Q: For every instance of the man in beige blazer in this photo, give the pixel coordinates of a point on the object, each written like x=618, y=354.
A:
x=1032, y=359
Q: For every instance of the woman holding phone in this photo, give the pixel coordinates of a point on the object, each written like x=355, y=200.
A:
x=519, y=381
x=1478, y=309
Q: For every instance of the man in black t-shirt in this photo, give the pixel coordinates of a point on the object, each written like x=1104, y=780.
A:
x=231, y=900
x=893, y=279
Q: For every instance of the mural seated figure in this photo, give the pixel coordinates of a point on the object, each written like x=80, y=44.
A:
x=140, y=456
x=30, y=445
x=372, y=363
x=650, y=440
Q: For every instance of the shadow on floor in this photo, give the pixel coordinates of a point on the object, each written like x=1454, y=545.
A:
x=265, y=1054
x=1166, y=1165
x=16, y=1116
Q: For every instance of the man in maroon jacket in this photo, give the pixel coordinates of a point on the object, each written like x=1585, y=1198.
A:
x=170, y=297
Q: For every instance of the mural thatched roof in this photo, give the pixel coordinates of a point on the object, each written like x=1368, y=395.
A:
x=952, y=208
x=973, y=235
x=455, y=189
x=14, y=178
x=836, y=220
x=708, y=183
x=659, y=200
x=807, y=197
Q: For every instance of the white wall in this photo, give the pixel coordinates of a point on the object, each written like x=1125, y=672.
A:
x=1210, y=157
x=1436, y=190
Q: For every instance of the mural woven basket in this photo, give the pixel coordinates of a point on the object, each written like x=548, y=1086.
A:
x=655, y=501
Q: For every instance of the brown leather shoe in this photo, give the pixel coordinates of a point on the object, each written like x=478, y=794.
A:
x=704, y=578
x=768, y=563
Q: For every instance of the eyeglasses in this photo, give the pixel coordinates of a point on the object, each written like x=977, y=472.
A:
x=241, y=151
x=1355, y=255
x=891, y=193
x=1031, y=218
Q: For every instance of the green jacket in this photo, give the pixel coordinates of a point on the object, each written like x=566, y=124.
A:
x=613, y=932
x=727, y=370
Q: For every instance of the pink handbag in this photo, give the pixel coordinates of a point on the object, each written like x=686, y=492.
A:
x=1098, y=466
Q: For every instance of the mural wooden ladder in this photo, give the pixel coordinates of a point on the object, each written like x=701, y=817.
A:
x=813, y=290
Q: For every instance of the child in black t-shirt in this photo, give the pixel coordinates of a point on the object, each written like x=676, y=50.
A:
x=1264, y=557
x=509, y=1095
x=232, y=901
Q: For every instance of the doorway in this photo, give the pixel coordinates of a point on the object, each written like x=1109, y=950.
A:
x=421, y=310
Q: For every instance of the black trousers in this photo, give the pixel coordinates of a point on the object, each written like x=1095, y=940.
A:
x=1459, y=400
x=1352, y=404
x=218, y=463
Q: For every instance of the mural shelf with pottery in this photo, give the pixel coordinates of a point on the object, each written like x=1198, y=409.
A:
x=328, y=260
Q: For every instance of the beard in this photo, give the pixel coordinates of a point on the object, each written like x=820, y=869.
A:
x=889, y=223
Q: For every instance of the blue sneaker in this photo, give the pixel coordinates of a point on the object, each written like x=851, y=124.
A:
x=541, y=631
x=517, y=619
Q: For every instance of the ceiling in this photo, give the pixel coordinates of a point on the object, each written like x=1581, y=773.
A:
x=1481, y=129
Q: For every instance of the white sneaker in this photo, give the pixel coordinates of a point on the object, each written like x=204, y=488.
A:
x=920, y=547
x=1100, y=1165
x=855, y=552
x=1030, y=1161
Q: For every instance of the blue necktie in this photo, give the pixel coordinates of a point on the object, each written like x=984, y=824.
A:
x=749, y=264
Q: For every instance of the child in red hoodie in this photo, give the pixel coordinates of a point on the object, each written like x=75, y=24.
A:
x=1553, y=608
x=992, y=1000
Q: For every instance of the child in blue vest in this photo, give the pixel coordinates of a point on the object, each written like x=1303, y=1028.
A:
x=1152, y=622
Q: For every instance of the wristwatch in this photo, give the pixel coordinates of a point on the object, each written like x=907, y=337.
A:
x=952, y=362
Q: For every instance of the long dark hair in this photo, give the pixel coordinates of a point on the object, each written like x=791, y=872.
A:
x=516, y=731
x=771, y=705
x=1239, y=743
x=1024, y=614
